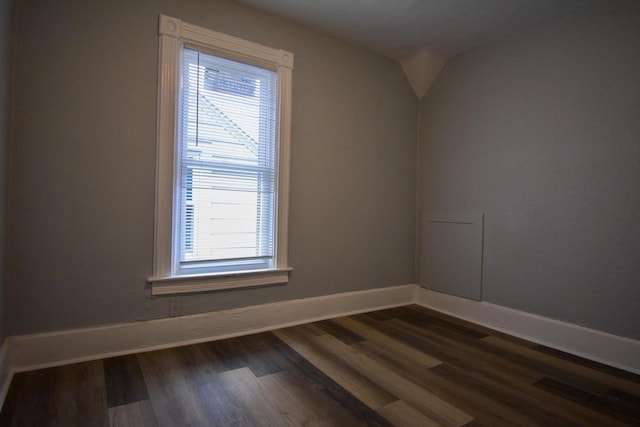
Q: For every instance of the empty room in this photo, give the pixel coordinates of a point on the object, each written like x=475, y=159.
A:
x=331, y=212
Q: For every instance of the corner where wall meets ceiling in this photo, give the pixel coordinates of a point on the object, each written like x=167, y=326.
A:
x=422, y=34
x=422, y=69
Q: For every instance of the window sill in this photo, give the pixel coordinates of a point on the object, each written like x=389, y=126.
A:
x=217, y=281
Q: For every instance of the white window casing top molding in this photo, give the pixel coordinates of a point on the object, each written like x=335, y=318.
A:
x=229, y=46
x=174, y=34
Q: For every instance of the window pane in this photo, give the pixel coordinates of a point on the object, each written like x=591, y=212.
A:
x=227, y=165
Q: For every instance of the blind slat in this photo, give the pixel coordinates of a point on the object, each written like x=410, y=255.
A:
x=226, y=162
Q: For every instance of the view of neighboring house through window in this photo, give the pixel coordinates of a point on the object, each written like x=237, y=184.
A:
x=226, y=165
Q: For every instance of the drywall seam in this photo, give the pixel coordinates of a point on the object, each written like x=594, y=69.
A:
x=418, y=211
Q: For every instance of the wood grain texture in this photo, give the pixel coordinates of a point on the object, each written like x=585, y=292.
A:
x=361, y=387
x=123, y=380
x=71, y=395
x=407, y=390
x=137, y=414
x=405, y=366
x=401, y=414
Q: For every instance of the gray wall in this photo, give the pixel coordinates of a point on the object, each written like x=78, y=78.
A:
x=5, y=72
x=83, y=163
x=541, y=131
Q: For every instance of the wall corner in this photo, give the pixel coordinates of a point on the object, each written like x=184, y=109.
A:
x=422, y=69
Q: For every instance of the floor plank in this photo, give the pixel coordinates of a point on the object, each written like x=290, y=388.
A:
x=257, y=409
x=137, y=414
x=407, y=366
x=420, y=398
x=605, y=403
x=65, y=396
x=401, y=414
x=283, y=394
x=124, y=380
x=387, y=342
x=592, y=379
x=360, y=386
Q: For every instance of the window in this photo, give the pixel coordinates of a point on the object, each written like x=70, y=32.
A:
x=223, y=161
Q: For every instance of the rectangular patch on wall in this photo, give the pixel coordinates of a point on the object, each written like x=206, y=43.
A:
x=451, y=255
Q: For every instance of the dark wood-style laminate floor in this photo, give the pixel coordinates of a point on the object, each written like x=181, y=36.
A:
x=407, y=366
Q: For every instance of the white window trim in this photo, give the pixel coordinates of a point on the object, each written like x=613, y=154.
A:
x=174, y=33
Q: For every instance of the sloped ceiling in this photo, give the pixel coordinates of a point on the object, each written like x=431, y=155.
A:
x=420, y=33
x=401, y=28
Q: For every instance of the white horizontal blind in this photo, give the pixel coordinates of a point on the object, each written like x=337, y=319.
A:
x=226, y=171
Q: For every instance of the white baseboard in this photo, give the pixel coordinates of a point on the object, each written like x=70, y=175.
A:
x=5, y=369
x=612, y=350
x=30, y=352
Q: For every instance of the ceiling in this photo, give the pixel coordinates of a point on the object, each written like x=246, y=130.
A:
x=402, y=28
